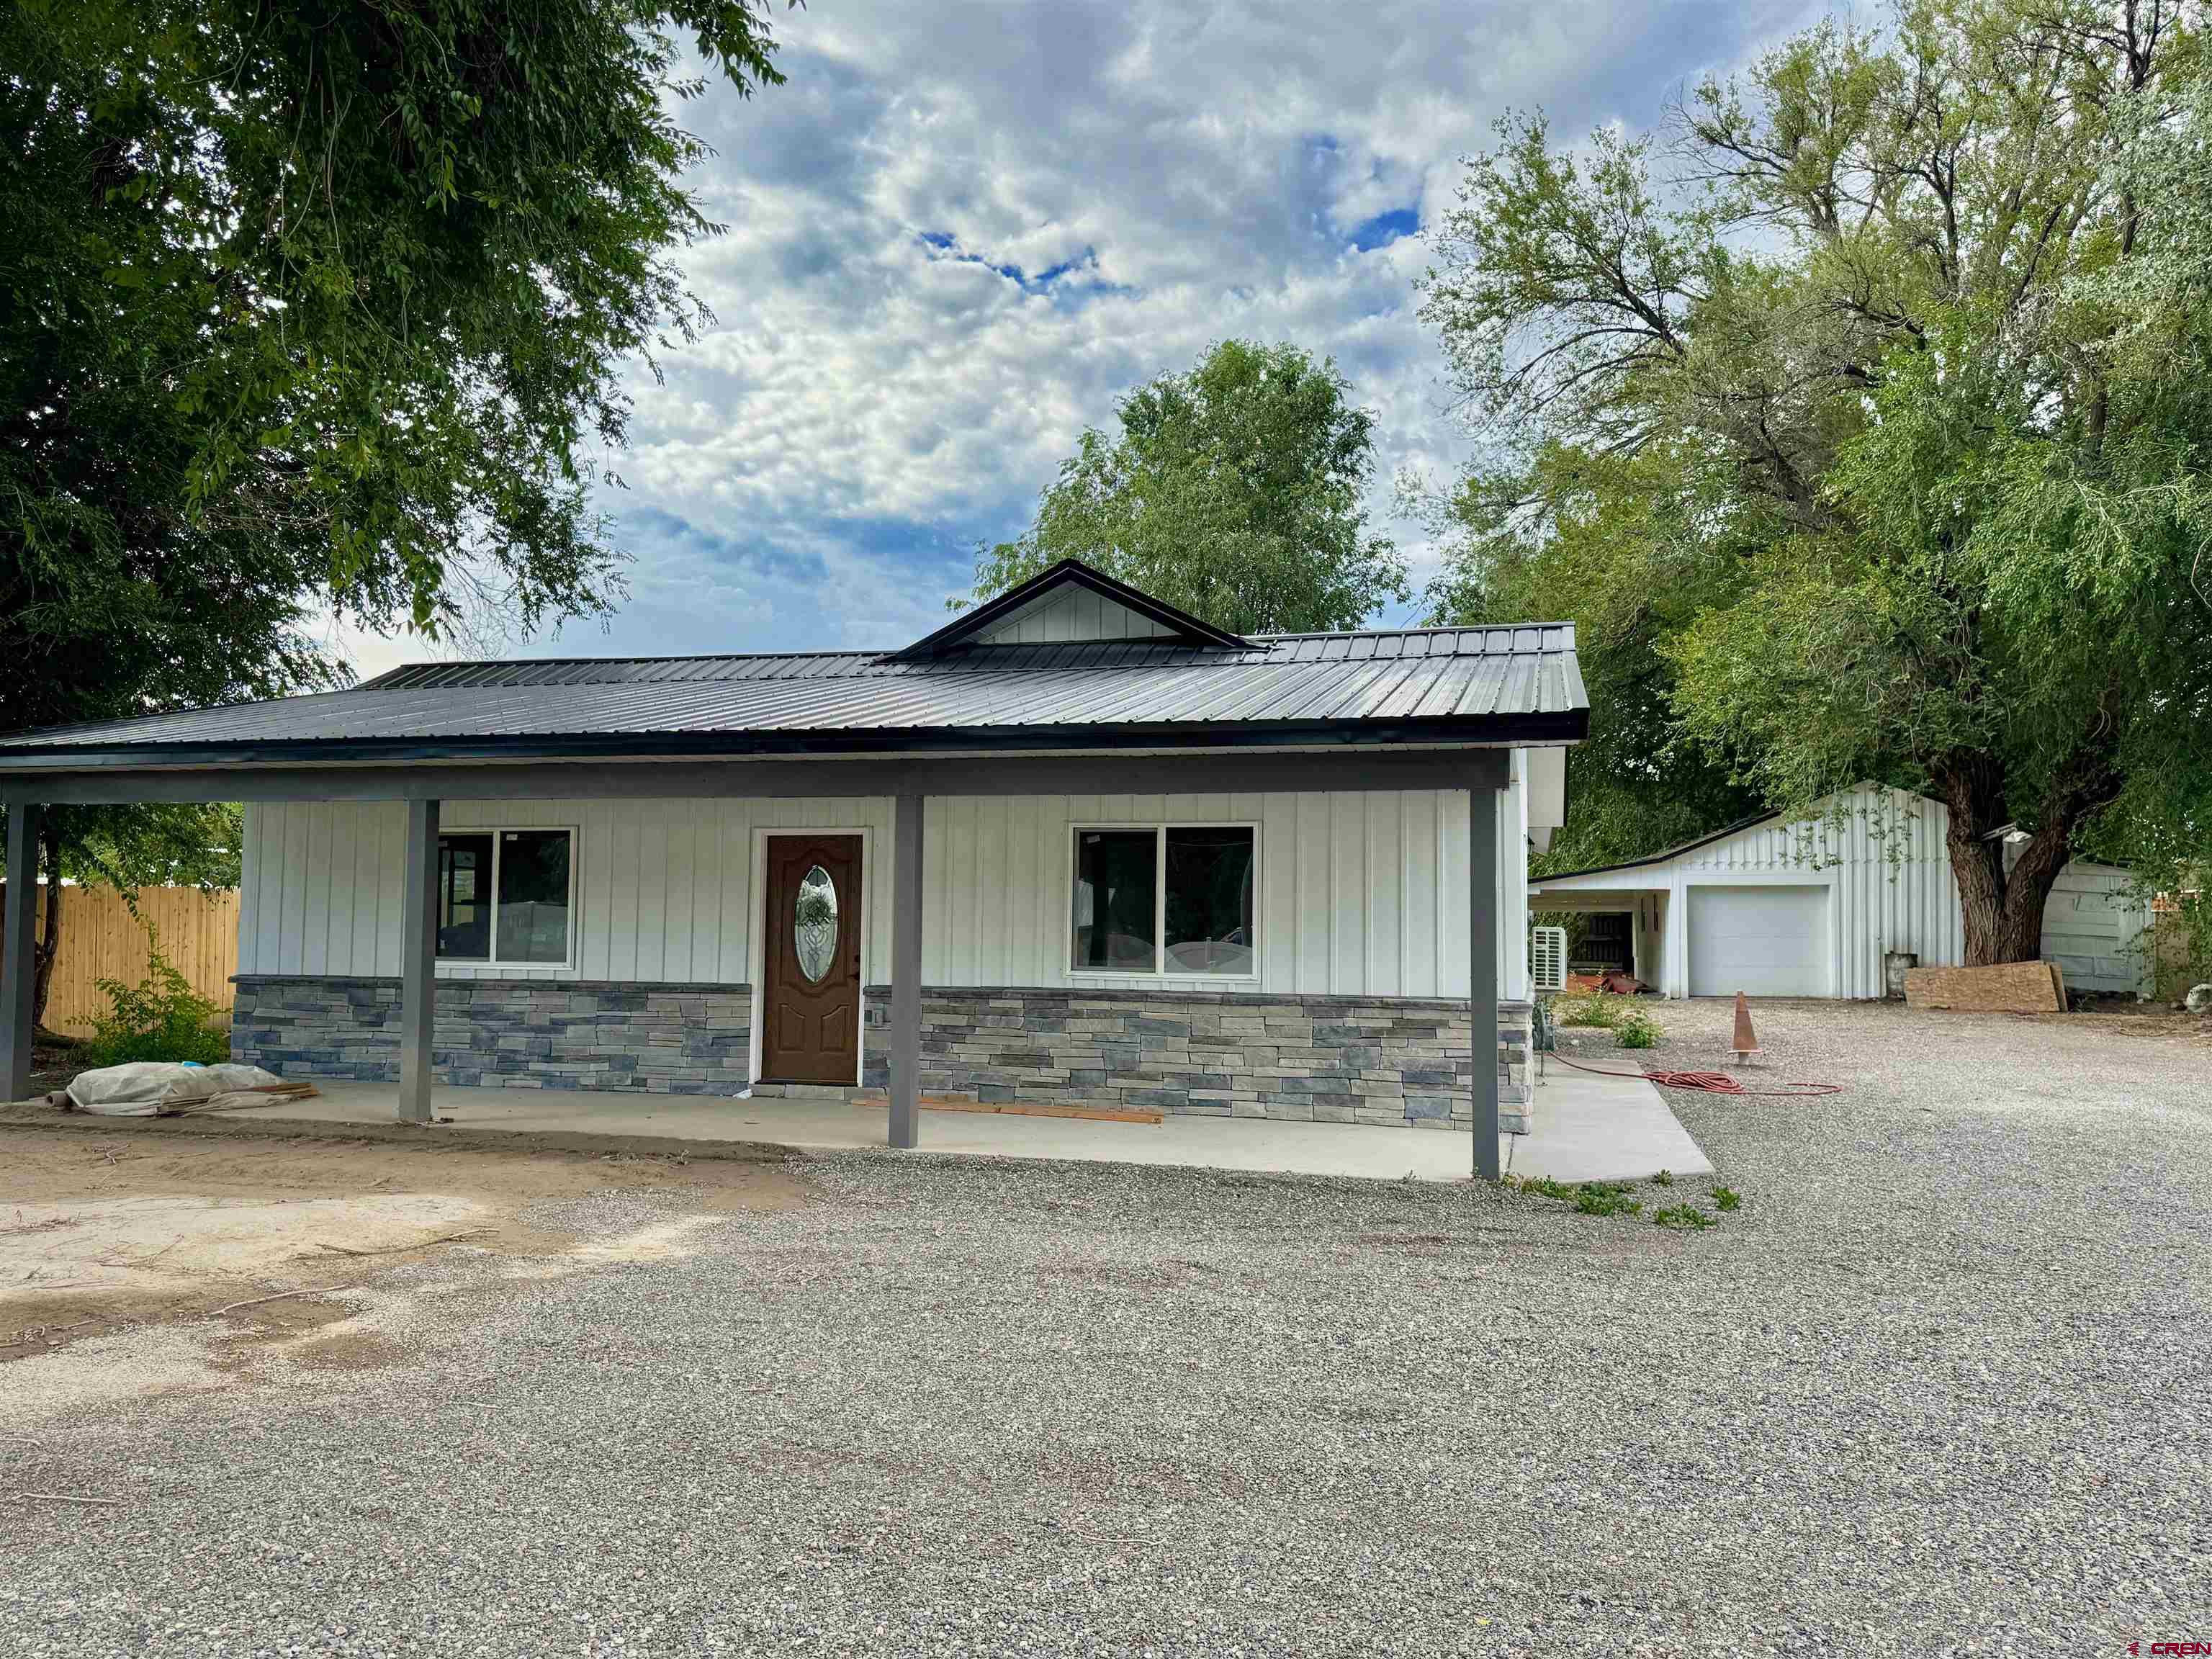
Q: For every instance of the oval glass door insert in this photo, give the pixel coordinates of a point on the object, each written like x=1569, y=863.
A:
x=814, y=923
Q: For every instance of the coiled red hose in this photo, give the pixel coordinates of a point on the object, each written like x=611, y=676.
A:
x=1713, y=1083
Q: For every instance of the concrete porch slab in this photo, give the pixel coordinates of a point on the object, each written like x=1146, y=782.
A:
x=1588, y=1128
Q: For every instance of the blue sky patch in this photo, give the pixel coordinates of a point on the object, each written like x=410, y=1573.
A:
x=1385, y=229
x=1068, y=276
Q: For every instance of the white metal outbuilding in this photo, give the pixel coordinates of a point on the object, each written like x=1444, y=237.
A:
x=1811, y=907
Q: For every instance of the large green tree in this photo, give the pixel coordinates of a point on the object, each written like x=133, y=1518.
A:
x=1236, y=492
x=1622, y=545
x=1899, y=375
x=318, y=308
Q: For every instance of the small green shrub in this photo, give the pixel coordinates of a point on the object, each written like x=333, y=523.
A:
x=1634, y=1029
x=1664, y=1178
x=1726, y=1198
x=1598, y=1011
x=1681, y=1215
x=161, y=1018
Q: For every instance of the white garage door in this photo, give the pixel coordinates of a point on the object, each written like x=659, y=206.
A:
x=1767, y=941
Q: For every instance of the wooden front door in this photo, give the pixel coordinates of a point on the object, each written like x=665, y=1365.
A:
x=810, y=949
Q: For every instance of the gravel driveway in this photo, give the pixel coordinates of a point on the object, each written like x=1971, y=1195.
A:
x=1943, y=1385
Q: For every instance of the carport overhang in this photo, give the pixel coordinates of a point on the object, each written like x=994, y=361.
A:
x=1581, y=899
x=1641, y=890
x=1226, y=759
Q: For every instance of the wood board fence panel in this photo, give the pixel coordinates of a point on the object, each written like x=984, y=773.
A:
x=2173, y=961
x=101, y=939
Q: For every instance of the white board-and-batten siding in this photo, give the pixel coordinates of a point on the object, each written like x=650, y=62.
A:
x=663, y=888
x=1358, y=894
x=1073, y=613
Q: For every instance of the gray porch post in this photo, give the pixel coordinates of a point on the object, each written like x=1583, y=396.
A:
x=906, y=972
x=18, y=971
x=418, y=966
x=1482, y=879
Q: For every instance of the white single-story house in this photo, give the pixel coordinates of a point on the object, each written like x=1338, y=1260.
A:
x=1075, y=846
x=1811, y=908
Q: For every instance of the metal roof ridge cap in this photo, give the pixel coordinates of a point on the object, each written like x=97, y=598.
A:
x=1208, y=658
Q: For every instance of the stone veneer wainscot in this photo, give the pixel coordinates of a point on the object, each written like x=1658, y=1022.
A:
x=1219, y=1054
x=505, y=1033
x=1300, y=1058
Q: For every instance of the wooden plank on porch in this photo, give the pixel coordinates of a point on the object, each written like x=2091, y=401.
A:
x=1026, y=1109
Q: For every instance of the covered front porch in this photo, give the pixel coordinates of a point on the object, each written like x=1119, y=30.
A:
x=902, y=792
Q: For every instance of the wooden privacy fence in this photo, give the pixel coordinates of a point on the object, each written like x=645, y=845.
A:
x=2173, y=962
x=101, y=939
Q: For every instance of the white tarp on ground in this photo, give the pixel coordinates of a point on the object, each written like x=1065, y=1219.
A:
x=156, y=1088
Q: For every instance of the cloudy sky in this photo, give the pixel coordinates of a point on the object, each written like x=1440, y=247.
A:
x=965, y=228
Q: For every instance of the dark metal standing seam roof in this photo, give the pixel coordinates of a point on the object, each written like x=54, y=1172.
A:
x=1449, y=685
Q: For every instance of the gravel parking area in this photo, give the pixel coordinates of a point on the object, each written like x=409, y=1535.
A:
x=1941, y=1385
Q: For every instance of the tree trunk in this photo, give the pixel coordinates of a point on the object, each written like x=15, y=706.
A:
x=1972, y=787
x=48, y=948
x=2028, y=890
x=2003, y=910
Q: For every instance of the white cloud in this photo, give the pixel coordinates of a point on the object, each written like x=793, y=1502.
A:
x=889, y=381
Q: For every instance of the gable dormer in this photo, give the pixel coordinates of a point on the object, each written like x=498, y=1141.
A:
x=1072, y=613
x=1068, y=602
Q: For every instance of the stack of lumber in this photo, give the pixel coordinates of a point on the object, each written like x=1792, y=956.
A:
x=2010, y=987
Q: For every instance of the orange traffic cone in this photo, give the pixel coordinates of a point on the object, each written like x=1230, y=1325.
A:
x=1747, y=1039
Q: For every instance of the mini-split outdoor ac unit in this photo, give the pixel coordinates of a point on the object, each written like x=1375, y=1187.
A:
x=1548, y=960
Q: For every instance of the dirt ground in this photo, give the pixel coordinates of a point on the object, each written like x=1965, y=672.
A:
x=2126, y=1017
x=117, y=1226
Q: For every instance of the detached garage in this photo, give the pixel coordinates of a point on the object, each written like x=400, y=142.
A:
x=1811, y=908
x=1768, y=941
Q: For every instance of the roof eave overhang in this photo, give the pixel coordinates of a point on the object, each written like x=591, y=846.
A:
x=19, y=766
x=1666, y=855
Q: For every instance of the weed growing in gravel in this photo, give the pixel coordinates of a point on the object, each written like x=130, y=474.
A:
x=1634, y=1029
x=1611, y=1198
x=1606, y=1198
x=1597, y=1011
x=1541, y=1186
x=1588, y=1197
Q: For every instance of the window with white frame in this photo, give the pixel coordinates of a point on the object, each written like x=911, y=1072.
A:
x=507, y=895
x=1171, y=898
